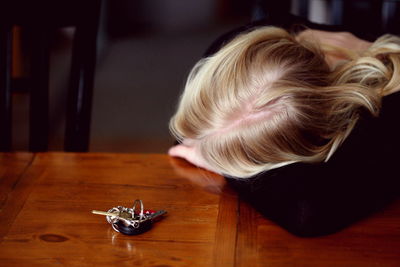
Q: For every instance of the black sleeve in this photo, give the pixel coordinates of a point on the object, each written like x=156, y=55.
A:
x=318, y=199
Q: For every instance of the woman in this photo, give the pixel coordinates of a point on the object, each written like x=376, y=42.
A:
x=278, y=106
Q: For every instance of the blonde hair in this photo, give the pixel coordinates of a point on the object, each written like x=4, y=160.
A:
x=266, y=100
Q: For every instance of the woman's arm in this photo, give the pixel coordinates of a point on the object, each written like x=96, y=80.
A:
x=336, y=45
x=189, y=151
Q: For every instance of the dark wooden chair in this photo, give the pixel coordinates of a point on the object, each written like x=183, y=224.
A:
x=373, y=16
x=39, y=19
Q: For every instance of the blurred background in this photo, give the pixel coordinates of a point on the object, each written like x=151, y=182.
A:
x=145, y=50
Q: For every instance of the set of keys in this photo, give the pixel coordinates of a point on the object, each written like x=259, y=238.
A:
x=130, y=221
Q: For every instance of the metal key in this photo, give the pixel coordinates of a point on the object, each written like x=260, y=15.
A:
x=129, y=221
x=155, y=215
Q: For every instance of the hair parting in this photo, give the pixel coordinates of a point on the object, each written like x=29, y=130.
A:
x=266, y=100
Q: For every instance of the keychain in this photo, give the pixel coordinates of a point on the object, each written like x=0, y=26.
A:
x=131, y=221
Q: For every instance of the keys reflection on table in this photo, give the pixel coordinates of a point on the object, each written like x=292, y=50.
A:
x=47, y=199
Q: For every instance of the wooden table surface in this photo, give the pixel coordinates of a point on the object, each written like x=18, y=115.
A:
x=46, y=220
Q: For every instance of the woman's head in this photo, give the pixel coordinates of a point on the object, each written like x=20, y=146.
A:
x=265, y=100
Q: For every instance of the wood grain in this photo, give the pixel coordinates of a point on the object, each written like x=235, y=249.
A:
x=226, y=232
x=46, y=218
x=374, y=241
x=55, y=225
x=12, y=169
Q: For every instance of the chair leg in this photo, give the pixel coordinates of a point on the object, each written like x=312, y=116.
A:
x=270, y=9
x=391, y=17
x=39, y=91
x=5, y=87
x=303, y=8
x=79, y=105
x=373, y=23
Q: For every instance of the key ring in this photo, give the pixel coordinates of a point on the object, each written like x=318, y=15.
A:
x=141, y=215
x=131, y=221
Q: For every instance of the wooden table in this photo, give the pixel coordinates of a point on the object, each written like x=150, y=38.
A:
x=46, y=220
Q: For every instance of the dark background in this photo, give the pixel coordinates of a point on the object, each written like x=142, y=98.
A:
x=146, y=48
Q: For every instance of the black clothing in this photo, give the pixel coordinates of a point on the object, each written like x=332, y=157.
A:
x=316, y=199
x=360, y=178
